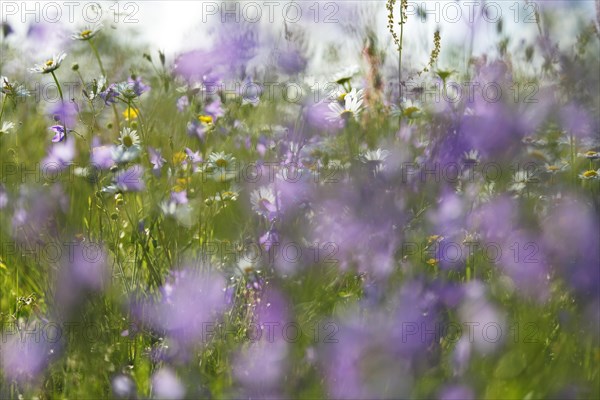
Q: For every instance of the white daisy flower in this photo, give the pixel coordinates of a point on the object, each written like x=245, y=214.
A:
x=374, y=156
x=129, y=138
x=86, y=33
x=590, y=174
x=590, y=155
x=471, y=157
x=351, y=109
x=263, y=201
x=50, y=65
x=345, y=75
x=129, y=147
x=410, y=107
x=519, y=181
x=221, y=167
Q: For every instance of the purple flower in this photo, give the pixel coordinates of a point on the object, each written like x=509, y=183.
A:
x=192, y=302
x=35, y=208
x=59, y=133
x=215, y=108
x=102, y=156
x=179, y=197
x=83, y=270
x=65, y=113
x=571, y=234
x=291, y=61
x=260, y=367
x=60, y=156
x=123, y=387
x=576, y=120
x=461, y=356
x=24, y=358
x=137, y=86
x=3, y=197
x=130, y=180
x=156, y=159
x=456, y=392
x=110, y=94
x=166, y=385
x=486, y=322
x=183, y=103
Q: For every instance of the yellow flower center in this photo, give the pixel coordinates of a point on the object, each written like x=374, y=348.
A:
x=221, y=163
x=49, y=63
x=205, y=119
x=552, y=168
x=591, y=154
x=590, y=174
x=86, y=33
x=432, y=261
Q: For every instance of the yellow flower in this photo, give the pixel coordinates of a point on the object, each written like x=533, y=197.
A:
x=432, y=262
x=179, y=157
x=205, y=119
x=181, y=184
x=130, y=113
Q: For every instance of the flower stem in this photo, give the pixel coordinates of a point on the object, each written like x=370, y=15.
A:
x=2, y=109
x=60, y=92
x=97, y=57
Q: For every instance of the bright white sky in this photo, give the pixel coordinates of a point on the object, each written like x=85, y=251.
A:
x=176, y=26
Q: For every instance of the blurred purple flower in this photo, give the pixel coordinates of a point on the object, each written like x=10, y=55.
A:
x=35, y=211
x=166, y=385
x=577, y=121
x=456, y=392
x=83, y=270
x=183, y=103
x=156, y=159
x=571, y=233
x=24, y=357
x=130, y=180
x=123, y=387
x=64, y=113
x=215, y=108
x=102, y=155
x=485, y=321
x=191, y=300
x=60, y=156
x=260, y=367
x=291, y=61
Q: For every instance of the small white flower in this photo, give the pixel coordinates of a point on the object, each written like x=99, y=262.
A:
x=352, y=107
x=221, y=167
x=50, y=65
x=374, y=155
x=6, y=127
x=263, y=201
x=519, y=181
x=86, y=33
x=471, y=157
x=590, y=174
x=129, y=138
x=345, y=75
